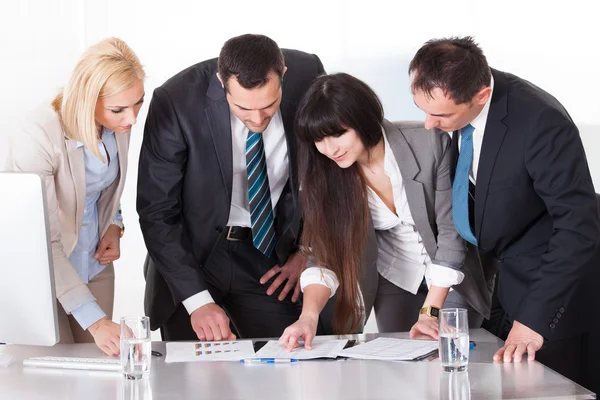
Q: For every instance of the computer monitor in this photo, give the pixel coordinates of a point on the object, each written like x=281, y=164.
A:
x=27, y=294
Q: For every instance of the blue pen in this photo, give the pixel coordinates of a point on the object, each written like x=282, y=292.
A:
x=268, y=360
x=471, y=345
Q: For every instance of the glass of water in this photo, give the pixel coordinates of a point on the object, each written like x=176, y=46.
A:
x=136, y=347
x=455, y=386
x=454, y=339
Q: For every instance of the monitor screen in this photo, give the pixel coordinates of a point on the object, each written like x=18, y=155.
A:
x=27, y=295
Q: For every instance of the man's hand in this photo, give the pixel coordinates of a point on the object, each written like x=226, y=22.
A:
x=291, y=271
x=211, y=323
x=426, y=327
x=520, y=340
x=305, y=328
x=107, y=336
x=108, y=249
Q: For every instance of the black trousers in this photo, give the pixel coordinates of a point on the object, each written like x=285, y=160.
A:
x=233, y=273
x=397, y=310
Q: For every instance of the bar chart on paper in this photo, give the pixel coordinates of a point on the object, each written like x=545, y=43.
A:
x=209, y=351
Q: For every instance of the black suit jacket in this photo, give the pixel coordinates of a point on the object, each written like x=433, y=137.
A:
x=185, y=178
x=536, y=210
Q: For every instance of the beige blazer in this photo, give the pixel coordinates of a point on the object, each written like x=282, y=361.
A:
x=41, y=146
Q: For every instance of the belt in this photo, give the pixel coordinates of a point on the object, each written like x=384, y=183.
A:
x=236, y=233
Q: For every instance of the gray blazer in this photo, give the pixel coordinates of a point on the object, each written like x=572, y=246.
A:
x=423, y=160
x=424, y=163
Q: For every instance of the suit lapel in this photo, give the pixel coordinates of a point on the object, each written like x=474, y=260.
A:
x=122, y=148
x=108, y=202
x=415, y=194
x=219, y=123
x=453, y=154
x=495, y=130
x=77, y=167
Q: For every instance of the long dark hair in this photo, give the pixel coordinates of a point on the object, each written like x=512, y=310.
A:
x=334, y=199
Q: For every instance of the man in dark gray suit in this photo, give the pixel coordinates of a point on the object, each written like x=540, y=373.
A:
x=217, y=194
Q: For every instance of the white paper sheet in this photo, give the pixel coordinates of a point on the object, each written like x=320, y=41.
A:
x=391, y=349
x=320, y=349
x=209, y=351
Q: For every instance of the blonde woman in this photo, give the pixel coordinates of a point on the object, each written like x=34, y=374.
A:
x=79, y=144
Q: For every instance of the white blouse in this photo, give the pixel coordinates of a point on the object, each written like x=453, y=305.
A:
x=409, y=262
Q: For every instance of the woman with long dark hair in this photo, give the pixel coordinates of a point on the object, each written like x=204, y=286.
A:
x=361, y=174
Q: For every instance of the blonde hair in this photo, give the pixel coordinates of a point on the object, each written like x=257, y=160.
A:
x=105, y=69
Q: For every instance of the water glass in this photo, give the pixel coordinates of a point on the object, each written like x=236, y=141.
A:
x=136, y=347
x=454, y=339
x=455, y=386
x=135, y=390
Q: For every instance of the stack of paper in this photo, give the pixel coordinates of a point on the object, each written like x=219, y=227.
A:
x=391, y=349
x=320, y=349
x=209, y=351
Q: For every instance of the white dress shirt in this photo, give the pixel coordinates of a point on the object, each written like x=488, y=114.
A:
x=409, y=262
x=479, y=124
x=276, y=154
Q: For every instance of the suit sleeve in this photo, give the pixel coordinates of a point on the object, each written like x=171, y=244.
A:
x=30, y=151
x=296, y=247
x=320, y=68
x=162, y=165
x=555, y=159
x=451, y=251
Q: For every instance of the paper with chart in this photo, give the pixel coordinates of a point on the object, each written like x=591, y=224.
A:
x=320, y=349
x=391, y=349
x=209, y=351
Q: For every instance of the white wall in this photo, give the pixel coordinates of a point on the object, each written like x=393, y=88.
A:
x=553, y=44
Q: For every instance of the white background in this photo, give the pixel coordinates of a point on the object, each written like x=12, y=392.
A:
x=552, y=43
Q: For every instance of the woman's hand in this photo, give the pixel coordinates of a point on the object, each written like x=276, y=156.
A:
x=107, y=336
x=425, y=327
x=305, y=328
x=109, y=247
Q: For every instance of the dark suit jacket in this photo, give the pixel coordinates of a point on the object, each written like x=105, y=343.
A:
x=185, y=178
x=535, y=209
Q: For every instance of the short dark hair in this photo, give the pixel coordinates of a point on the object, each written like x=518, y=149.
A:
x=334, y=103
x=455, y=65
x=250, y=59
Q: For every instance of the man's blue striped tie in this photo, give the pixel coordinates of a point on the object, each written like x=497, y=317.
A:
x=460, y=187
x=259, y=195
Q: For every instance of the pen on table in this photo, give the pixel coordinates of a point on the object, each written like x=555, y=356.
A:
x=268, y=360
x=471, y=345
x=156, y=353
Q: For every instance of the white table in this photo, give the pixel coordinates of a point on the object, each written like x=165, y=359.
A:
x=342, y=379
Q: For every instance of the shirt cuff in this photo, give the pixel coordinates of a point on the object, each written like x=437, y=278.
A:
x=319, y=276
x=198, y=300
x=118, y=216
x=440, y=276
x=87, y=314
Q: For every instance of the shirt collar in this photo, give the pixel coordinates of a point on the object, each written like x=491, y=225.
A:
x=388, y=158
x=105, y=131
x=479, y=121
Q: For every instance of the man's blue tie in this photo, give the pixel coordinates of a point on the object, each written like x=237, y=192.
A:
x=259, y=195
x=460, y=187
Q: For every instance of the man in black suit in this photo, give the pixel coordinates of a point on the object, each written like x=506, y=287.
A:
x=217, y=194
x=534, y=208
